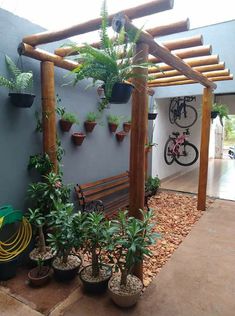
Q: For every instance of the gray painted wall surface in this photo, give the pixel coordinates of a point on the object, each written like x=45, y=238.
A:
x=99, y=156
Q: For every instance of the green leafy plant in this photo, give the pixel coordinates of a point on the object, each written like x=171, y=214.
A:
x=152, y=184
x=222, y=110
x=112, y=63
x=20, y=82
x=67, y=116
x=114, y=119
x=92, y=116
x=41, y=163
x=130, y=242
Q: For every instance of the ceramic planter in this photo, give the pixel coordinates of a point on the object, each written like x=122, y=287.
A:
x=96, y=286
x=39, y=276
x=124, y=299
x=8, y=269
x=22, y=100
x=120, y=136
x=113, y=127
x=65, y=125
x=89, y=126
x=152, y=116
x=121, y=93
x=126, y=127
x=78, y=138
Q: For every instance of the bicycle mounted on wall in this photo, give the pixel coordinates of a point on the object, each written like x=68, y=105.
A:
x=182, y=114
x=180, y=150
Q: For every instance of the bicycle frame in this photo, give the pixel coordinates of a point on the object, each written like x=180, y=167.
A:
x=178, y=141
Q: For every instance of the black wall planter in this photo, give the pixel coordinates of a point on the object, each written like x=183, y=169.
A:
x=121, y=93
x=22, y=100
x=214, y=114
x=152, y=116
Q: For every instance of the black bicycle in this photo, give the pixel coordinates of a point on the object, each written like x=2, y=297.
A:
x=180, y=150
x=182, y=114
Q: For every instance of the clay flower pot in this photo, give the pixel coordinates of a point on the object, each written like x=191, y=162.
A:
x=120, y=136
x=126, y=127
x=78, y=138
x=89, y=126
x=65, y=125
x=39, y=276
x=113, y=127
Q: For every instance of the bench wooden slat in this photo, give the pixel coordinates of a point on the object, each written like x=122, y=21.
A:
x=103, y=194
x=105, y=180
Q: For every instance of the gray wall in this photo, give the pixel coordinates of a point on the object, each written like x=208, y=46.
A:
x=99, y=156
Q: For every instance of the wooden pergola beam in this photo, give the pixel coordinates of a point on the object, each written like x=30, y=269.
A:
x=192, y=62
x=188, y=81
x=161, y=52
x=174, y=44
x=142, y=10
x=167, y=29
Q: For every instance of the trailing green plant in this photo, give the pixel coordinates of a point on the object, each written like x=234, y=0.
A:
x=222, y=110
x=21, y=82
x=112, y=63
x=114, y=119
x=41, y=163
x=152, y=184
x=130, y=242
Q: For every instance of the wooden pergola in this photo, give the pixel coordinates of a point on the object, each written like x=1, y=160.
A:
x=184, y=61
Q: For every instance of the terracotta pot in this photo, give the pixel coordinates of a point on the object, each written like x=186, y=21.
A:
x=22, y=100
x=93, y=286
x=125, y=299
x=126, y=127
x=113, y=127
x=37, y=279
x=89, y=126
x=120, y=136
x=78, y=138
x=65, y=125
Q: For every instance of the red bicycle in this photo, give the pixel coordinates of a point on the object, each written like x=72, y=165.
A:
x=180, y=150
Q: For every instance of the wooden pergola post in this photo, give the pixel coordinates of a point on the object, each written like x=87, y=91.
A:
x=48, y=111
x=138, y=138
x=204, y=150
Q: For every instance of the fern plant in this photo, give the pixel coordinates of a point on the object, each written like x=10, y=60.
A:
x=112, y=63
x=20, y=81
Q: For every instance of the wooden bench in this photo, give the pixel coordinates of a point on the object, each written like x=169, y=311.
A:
x=107, y=195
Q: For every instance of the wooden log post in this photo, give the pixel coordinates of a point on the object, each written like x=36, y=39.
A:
x=138, y=139
x=48, y=111
x=204, y=150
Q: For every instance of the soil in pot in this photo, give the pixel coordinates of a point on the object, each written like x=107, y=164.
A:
x=39, y=276
x=65, y=125
x=95, y=284
x=127, y=296
x=46, y=256
x=120, y=136
x=8, y=269
x=152, y=116
x=66, y=271
x=113, y=127
x=78, y=138
x=121, y=93
x=89, y=126
x=126, y=127
x=22, y=100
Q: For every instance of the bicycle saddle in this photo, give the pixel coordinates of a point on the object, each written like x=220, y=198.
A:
x=176, y=134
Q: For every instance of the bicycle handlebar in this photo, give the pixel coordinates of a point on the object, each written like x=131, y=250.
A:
x=186, y=98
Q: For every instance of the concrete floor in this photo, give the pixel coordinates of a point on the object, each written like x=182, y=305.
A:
x=198, y=280
x=221, y=180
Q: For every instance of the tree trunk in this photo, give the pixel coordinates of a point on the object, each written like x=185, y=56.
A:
x=123, y=278
x=95, y=263
x=41, y=240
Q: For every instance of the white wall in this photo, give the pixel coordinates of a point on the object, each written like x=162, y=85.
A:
x=163, y=128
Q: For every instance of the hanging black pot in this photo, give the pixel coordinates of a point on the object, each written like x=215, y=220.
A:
x=8, y=269
x=22, y=100
x=152, y=116
x=121, y=93
x=214, y=114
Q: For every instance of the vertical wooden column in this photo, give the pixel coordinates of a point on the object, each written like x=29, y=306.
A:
x=204, y=150
x=48, y=111
x=138, y=139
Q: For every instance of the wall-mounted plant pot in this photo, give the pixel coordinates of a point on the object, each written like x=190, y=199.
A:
x=121, y=93
x=78, y=138
x=152, y=116
x=65, y=125
x=113, y=127
x=120, y=136
x=89, y=126
x=22, y=100
x=126, y=127
x=214, y=114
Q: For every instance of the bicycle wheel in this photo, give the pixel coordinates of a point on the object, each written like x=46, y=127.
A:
x=187, y=154
x=172, y=111
x=168, y=155
x=187, y=117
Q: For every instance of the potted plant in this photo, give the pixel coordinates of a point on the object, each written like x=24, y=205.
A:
x=120, y=136
x=220, y=110
x=151, y=185
x=20, y=84
x=78, y=138
x=67, y=119
x=130, y=241
x=40, y=275
x=62, y=240
x=109, y=64
x=90, y=121
x=113, y=122
x=127, y=125
x=95, y=276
